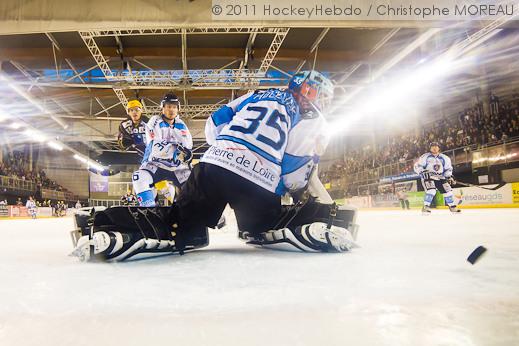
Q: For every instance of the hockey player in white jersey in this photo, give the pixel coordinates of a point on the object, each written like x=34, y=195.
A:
x=167, y=155
x=435, y=170
x=31, y=207
x=263, y=144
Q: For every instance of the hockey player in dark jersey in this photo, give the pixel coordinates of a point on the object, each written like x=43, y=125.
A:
x=132, y=131
x=263, y=144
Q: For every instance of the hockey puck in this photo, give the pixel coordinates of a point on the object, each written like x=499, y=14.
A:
x=476, y=254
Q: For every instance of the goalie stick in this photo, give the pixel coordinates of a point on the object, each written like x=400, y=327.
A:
x=296, y=207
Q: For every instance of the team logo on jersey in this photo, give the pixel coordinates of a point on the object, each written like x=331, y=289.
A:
x=436, y=167
x=298, y=80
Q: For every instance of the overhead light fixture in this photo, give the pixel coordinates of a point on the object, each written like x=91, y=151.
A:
x=80, y=158
x=35, y=135
x=55, y=145
x=90, y=164
x=95, y=166
x=36, y=103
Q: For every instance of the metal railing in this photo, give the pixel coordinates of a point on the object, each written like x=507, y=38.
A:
x=104, y=202
x=17, y=184
x=58, y=195
x=115, y=202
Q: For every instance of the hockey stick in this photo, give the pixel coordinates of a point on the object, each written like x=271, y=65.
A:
x=497, y=187
x=296, y=207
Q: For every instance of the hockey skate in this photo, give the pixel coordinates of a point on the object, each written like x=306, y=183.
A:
x=454, y=209
x=426, y=210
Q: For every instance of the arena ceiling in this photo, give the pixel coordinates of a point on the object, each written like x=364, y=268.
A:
x=73, y=74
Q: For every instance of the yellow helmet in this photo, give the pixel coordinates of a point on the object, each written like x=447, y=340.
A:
x=133, y=104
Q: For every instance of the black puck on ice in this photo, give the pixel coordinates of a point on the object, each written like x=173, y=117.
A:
x=476, y=254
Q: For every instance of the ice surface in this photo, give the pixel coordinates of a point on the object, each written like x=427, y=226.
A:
x=409, y=284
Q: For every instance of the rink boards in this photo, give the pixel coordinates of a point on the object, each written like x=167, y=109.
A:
x=467, y=197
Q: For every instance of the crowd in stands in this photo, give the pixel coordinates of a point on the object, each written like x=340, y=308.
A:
x=14, y=165
x=473, y=127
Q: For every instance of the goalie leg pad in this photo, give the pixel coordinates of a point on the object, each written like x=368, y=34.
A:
x=315, y=237
x=121, y=232
x=316, y=227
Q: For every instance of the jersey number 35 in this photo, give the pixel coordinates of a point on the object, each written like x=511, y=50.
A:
x=272, y=122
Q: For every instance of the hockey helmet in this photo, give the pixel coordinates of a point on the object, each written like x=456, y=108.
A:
x=170, y=98
x=314, y=87
x=134, y=104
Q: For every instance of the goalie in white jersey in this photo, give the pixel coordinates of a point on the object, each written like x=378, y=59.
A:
x=167, y=155
x=264, y=144
x=435, y=170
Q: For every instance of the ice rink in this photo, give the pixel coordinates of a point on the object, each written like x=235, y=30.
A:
x=409, y=284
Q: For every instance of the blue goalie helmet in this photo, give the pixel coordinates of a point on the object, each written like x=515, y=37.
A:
x=312, y=90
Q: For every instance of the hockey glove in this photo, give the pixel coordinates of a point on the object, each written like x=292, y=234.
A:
x=451, y=180
x=425, y=175
x=428, y=175
x=184, y=154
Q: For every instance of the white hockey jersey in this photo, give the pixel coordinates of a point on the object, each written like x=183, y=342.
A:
x=30, y=204
x=162, y=140
x=441, y=164
x=262, y=137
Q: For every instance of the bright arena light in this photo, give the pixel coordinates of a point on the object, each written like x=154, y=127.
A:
x=90, y=164
x=80, y=158
x=96, y=166
x=55, y=145
x=35, y=102
x=35, y=135
x=384, y=98
x=15, y=125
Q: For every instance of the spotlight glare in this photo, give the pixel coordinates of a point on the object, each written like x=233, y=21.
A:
x=95, y=166
x=55, y=145
x=80, y=158
x=34, y=135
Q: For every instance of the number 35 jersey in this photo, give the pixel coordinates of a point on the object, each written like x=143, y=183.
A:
x=262, y=137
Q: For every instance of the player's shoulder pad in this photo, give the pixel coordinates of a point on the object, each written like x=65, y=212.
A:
x=179, y=124
x=445, y=157
x=424, y=157
x=126, y=122
x=154, y=121
x=283, y=97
